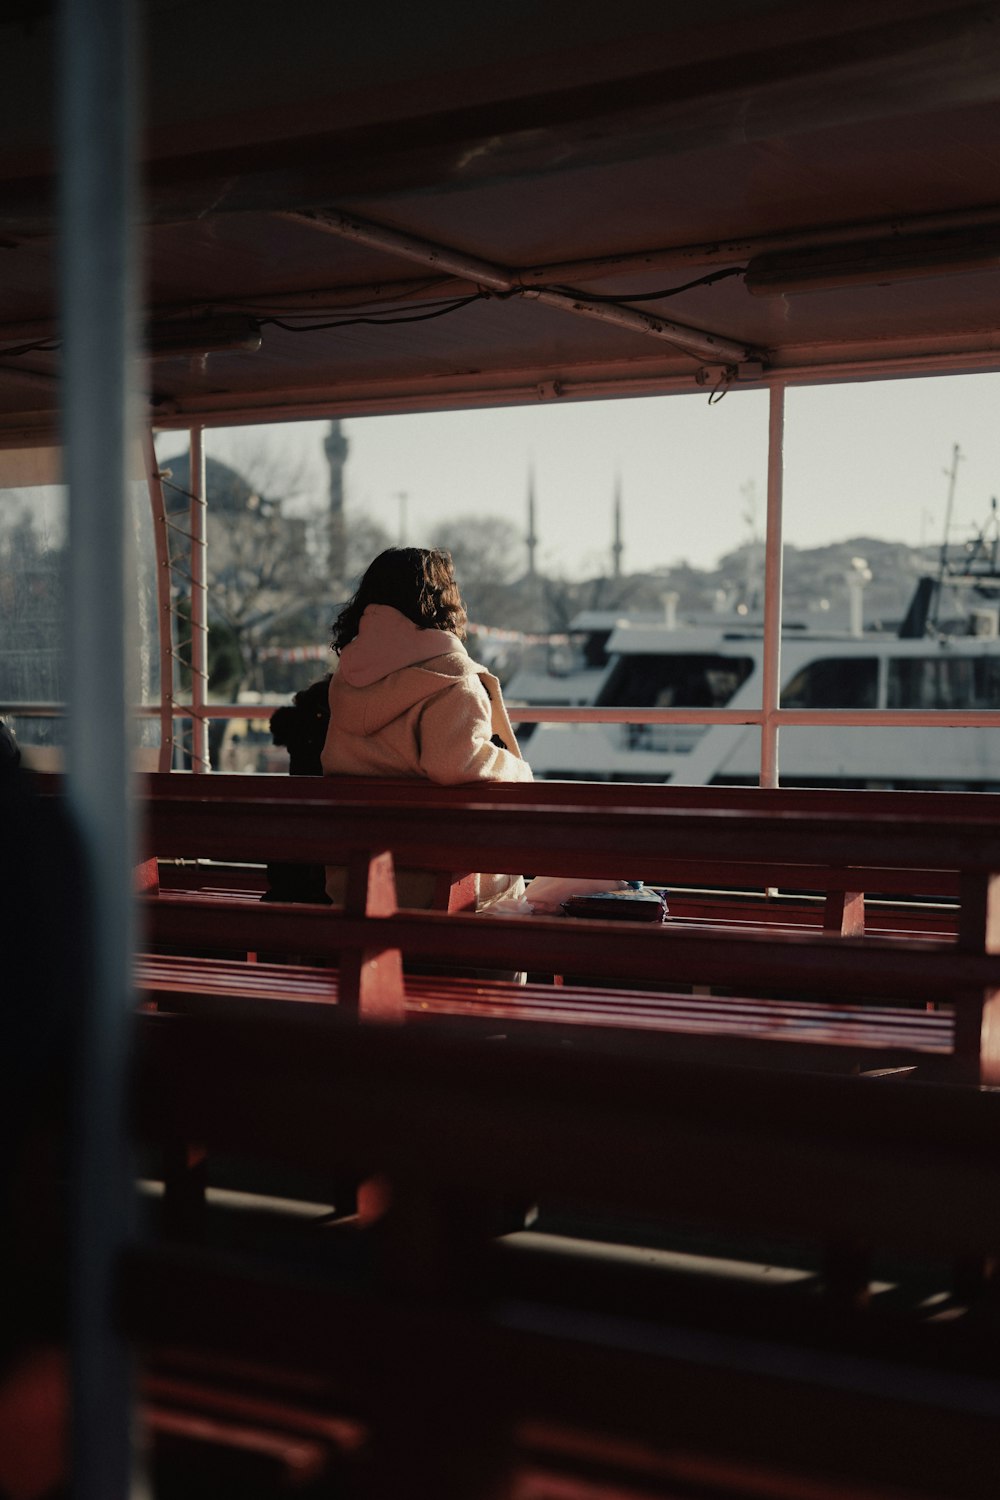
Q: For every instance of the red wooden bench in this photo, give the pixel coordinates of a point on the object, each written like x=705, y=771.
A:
x=806, y=1000
x=694, y=877
x=732, y=870
x=842, y=986
x=592, y=841
x=513, y=1372
x=847, y=1168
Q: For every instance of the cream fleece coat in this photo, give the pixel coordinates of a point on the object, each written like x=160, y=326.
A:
x=412, y=703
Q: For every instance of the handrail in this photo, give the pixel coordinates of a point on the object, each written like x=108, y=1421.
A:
x=847, y=718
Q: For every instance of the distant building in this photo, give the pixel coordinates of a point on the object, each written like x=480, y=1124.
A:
x=225, y=488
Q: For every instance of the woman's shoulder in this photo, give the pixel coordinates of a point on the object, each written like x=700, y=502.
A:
x=462, y=674
x=456, y=664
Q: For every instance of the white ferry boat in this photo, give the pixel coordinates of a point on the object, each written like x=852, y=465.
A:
x=573, y=669
x=717, y=667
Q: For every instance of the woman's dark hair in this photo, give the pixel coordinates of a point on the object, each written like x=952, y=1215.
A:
x=418, y=581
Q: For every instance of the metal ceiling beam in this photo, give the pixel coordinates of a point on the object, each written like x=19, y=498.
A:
x=653, y=374
x=665, y=258
x=514, y=387
x=733, y=251
x=500, y=279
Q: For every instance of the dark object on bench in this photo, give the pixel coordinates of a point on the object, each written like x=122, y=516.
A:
x=639, y=904
x=301, y=728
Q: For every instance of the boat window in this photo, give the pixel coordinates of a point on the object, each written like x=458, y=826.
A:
x=592, y=647
x=944, y=682
x=582, y=650
x=677, y=680
x=834, y=682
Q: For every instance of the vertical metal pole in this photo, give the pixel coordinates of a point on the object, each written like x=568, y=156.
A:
x=771, y=686
x=164, y=607
x=96, y=68
x=199, y=603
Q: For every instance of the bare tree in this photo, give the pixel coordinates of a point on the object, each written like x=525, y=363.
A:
x=266, y=582
x=365, y=540
x=490, y=560
x=277, y=472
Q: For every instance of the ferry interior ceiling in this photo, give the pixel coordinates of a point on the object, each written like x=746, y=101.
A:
x=437, y=211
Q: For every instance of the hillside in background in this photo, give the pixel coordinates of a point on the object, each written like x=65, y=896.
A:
x=815, y=589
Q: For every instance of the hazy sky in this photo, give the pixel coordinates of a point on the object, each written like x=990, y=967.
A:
x=861, y=460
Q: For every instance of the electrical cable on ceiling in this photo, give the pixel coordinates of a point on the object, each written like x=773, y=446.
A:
x=46, y=346
x=389, y=316
x=392, y=315
x=454, y=304
x=672, y=291
x=255, y=309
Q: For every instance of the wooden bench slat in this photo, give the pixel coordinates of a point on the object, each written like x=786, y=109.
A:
x=821, y=964
x=440, y=837
x=163, y=980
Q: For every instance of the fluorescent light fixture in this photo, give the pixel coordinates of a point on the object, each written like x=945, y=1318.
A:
x=879, y=262
x=223, y=333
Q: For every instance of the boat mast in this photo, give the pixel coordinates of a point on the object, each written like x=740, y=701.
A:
x=952, y=473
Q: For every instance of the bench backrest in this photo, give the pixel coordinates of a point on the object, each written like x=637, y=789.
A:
x=982, y=807
x=319, y=823
x=908, y=843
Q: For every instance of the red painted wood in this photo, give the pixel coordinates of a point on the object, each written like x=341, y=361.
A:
x=455, y=893
x=976, y=806
x=226, y=990
x=977, y=1039
x=905, y=843
x=813, y=964
x=146, y=876
x=371, y=975
x=844, y=912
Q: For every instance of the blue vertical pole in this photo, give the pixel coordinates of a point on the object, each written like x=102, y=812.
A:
x=96, y=75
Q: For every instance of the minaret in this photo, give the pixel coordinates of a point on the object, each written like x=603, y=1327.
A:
x=532, y=538
x=335, y=445
x=617, y=546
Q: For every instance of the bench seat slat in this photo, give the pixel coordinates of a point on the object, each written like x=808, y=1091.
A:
x=165, y=981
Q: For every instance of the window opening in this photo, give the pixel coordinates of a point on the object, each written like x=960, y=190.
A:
x=944, y=682
x=834, y=682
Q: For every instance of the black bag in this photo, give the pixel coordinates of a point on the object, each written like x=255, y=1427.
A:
x=301, y=729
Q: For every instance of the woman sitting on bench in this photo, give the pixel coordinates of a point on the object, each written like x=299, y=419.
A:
x=407, y=700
